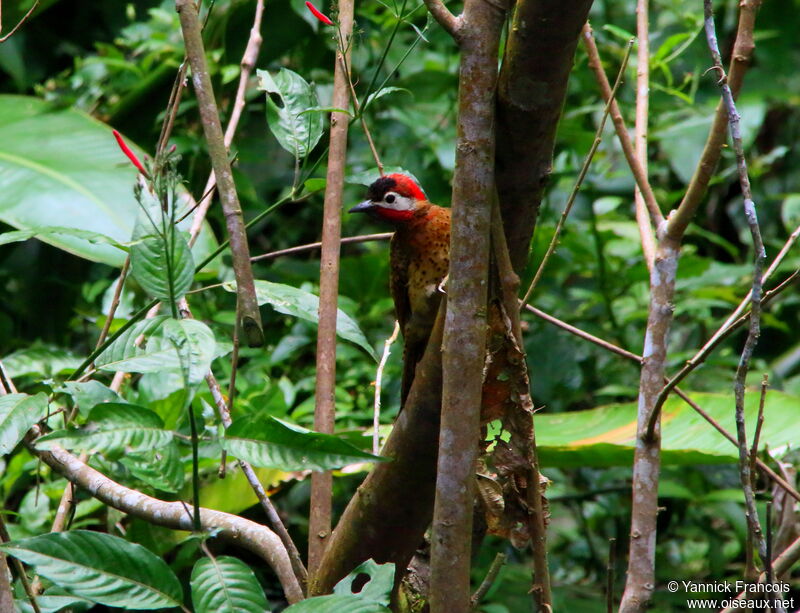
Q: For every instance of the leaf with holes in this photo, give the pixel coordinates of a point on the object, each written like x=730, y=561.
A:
x=113, y=427
x=372, y=598
x=103, y=568
x=18, y=413
x=226, y=585
x=272, y=443
x=289, y=96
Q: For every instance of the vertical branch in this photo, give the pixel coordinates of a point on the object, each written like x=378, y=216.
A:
x=760, y=257
x=464, y=339
x=250, y=317
x=640, y=126
x=324, y=413
x=647, y=456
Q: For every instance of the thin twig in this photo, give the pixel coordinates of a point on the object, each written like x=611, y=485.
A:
x=491, y=576
x=639, y=173
x=446, y=19
x=114, y=302
x=759, y=423
x=357, y=108
x=19, y=25
x=7, y=386
x=29, y=592
x=755, y=300
x=382, y=236
x=376, y=413
x=250, y=316
x=725, y=329
x=598, y=137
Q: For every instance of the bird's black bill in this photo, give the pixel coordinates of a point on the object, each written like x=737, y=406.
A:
x=362, y=207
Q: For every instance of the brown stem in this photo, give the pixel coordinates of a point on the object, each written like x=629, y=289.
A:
x=250, y=317
x=446, y=19
x=319, y=529
x=640, y=127
x=19, y=25
x=491, y=575
x=464, y=343
x=250, y=535
x=754, y=332
x=647, y=455
x=114, y=302
x=376, y=409
x=638, y=170
x=248, y=62
x=29, y=591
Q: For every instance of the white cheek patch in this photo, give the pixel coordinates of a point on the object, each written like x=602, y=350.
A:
x=401, y=203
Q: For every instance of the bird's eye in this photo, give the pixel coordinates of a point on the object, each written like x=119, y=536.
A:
x=389, y=199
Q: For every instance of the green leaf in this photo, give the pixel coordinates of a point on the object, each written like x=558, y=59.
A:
x=369, y=176
x=305, y=305
x=226, y=585
x=160, y=468
x=88, y=394
x=297, y=132
x=161, y=260
x=124, y=355
x=113, y=427
x=185, y=345
x=383, y=92
x=42, y=232
x=62, y=168
x=790, y=212
x=606, y=436
x=377, y=589
x=272, y=443
x=195, y=345
x=18, y=413
x=103, y=568
x=373, y=597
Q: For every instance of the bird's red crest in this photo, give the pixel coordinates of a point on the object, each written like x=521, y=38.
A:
x=406, y=186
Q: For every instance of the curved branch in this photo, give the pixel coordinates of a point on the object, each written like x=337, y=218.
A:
x=444, y=17
x=250, y=535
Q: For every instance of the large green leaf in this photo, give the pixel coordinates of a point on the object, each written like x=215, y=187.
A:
x=305, y=305
x=103, y=568
x=372, y=598
x=606, y=436
x=296, y=130
x=226, y=585
x=186, y=345
x=272, y=443
x=62, y=168
x=18, y=412
x=113, y=427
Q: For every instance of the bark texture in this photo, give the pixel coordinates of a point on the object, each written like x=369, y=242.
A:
x=530, y=95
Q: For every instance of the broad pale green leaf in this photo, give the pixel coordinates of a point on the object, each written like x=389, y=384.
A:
x=62, y=168
x=43, y=232
x=18, y=412
x=372, y=598
x=195, y=346
x=272, y=443
x=606, y=436
x=112, y=427
x=52, y=603
x=305, y=305
x=126, y=356
x=226, y=585
x=102, y=568
x=297, y=131
x=43, y=360
x=88, y=394
x=383, y=92
x=161, y=260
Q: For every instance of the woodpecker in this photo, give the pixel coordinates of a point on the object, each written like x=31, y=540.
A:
x=419, y=260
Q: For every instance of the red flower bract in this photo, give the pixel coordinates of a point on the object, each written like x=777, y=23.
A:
x=318, y=14
x=128, y=153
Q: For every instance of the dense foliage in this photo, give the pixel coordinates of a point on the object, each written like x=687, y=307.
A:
x=116, y=62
